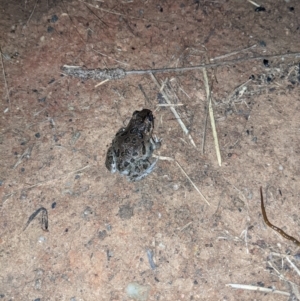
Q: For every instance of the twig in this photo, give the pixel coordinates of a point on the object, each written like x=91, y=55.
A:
x=171, y=159
x=252, y=2
x=26, y=154
x=150, y=259
x=170, y=104
x=280, y=276
x=5, y=81
x=293, y=266
x=232, y=53
x=212, y=118
x=257, y=288
x=47, y=181
x=121, y=73
x=288, y=260
x=44, y=221
x=185, y=130
x=101, y=83
x=32, y=12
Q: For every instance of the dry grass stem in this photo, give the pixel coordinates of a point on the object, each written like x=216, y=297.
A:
x=32, y=12
x=238, y=92
x=101, y=83
x=171, y=159
x=110, y=58
x=5, y=81
x=212, y=118
x=47, y=182
x=252, y=2
x=231, y=53
x=170, y=105
x=279, y=275
x=26, y=154
x=293, y=266
x=288, y=260
x=257, y=288
x=192, y=183
x=184, y=128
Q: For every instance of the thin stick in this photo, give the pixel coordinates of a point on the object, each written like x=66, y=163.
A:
x=232, y=53
x=212, y=65
x=212, y=118
x=252, y=2
x=5, y=81
x=32, y=12
x=121, y=73
x=192, y=183
x=101, y=83
x=292, y=265
x=171, y=159
x=185, y=130
x=46, y=182
x=257, y=288
x=170, y=104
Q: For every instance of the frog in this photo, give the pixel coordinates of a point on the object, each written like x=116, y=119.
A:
x=131, y=150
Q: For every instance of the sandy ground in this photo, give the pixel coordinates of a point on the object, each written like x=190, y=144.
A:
x=55, y=131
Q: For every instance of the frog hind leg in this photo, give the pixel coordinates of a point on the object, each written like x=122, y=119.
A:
x=147, y=170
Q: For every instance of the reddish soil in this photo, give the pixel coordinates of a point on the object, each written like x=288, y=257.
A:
x=55, y=131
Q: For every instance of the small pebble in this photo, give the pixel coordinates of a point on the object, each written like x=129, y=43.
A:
x=280, y=167
x=269, y=79
x=125, y=212
x=38, y=285
x=137, y=292
x=266, y=63
x=175, y=187
x=53, y=205
x=42, y=99
x=37, y=135
x=22, y=169
x=260, y=8
x=87, y=213
x=102, y=234
x=262, y=44
x=77, y=177
x=50, y=29
x=54, y=19
x=42, y=239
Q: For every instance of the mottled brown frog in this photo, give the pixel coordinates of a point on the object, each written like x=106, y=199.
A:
x=132, y=147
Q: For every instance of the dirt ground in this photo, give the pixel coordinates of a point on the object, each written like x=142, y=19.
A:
x=104, y=230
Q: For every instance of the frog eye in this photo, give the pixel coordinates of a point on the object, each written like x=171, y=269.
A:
x=124, y=133
x=150, y=117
